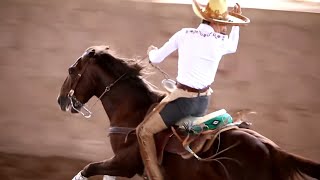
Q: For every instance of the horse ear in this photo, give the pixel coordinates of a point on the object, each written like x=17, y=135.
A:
x=72, y=70
x=92, y=52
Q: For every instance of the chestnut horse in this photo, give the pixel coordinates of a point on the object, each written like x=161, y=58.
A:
x=126, y=98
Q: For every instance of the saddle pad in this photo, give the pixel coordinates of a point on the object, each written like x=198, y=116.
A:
x=200, y=120
x=211, y=124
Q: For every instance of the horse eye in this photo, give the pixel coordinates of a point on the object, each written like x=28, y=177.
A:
x=72, y=70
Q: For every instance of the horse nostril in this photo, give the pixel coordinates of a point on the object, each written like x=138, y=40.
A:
x=59, y=100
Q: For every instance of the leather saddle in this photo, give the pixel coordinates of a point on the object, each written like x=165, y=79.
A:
x=177, y=142
x=189, y=137
x=183, y=138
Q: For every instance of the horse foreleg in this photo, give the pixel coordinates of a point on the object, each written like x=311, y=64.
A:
x=106, y=177
x=116, y=166
x=79, y=176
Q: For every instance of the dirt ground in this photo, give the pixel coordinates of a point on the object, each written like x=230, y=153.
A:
x=275, y=72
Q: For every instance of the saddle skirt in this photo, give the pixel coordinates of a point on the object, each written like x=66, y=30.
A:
x=166, y=141
x=196, y=133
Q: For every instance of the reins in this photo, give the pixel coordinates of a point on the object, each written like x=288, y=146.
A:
x=108, y=88
x=165, y=75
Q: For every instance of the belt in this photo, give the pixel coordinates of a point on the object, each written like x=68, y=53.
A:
x=190, y=89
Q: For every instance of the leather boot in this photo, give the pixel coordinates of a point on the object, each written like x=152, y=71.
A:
x=145, y=132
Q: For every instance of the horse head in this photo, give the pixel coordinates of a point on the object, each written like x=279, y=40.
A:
x=115, y=81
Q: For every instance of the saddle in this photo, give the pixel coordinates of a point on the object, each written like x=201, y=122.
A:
x=194, y=135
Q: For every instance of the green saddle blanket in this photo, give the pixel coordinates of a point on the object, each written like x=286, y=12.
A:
x=211, y=121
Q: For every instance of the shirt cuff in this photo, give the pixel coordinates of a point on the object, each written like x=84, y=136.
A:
x=152, y=55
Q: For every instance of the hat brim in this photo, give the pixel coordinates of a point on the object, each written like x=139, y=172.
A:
x=233, y=19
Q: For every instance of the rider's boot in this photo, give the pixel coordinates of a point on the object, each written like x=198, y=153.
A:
x=145, y=132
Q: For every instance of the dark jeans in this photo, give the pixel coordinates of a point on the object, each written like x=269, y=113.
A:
x=183, y=107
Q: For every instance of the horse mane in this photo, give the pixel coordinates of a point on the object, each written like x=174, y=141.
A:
x=119, y=66
x=133, y=69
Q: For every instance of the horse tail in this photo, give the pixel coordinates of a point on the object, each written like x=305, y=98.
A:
x=287, y=165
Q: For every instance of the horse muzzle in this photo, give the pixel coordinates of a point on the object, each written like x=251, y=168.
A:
x=64, y=103
x=70, y=102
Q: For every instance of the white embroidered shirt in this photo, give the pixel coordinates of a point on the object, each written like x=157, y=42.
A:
x=200, y=51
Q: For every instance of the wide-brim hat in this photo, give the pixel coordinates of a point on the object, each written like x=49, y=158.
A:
x=217, y=11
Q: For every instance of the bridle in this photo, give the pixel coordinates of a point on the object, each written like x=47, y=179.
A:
x=76, y=103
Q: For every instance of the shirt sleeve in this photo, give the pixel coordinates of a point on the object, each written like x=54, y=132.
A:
x=158, y=55
x=230, y=45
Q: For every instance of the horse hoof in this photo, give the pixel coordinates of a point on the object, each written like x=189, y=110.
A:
x=105, y=177
x=79, y=177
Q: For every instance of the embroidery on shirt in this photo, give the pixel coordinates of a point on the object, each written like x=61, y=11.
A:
x=216, y=35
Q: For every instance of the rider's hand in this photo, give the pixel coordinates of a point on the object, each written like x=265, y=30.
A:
x=150, y=48
x=237, y=9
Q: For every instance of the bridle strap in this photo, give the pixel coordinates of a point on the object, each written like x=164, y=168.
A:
x=79, y=77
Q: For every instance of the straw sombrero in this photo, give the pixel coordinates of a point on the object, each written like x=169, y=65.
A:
x=217, y=11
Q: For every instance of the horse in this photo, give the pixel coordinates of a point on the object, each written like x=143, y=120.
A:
x=127, y=97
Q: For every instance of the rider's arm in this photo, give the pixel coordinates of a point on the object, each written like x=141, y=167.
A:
x=158, y=55
x=230, y=45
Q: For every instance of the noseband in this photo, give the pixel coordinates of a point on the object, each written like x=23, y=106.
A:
x=76, y=103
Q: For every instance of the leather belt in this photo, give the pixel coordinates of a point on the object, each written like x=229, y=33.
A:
x=190, y=89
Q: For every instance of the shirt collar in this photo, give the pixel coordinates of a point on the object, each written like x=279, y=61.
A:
x=205, y=27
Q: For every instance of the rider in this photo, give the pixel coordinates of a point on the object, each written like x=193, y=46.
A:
x=200, y=50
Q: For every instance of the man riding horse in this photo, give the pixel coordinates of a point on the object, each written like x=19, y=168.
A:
x=200, y=51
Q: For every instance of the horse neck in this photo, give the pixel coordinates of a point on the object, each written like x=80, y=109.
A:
x=128, y=106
